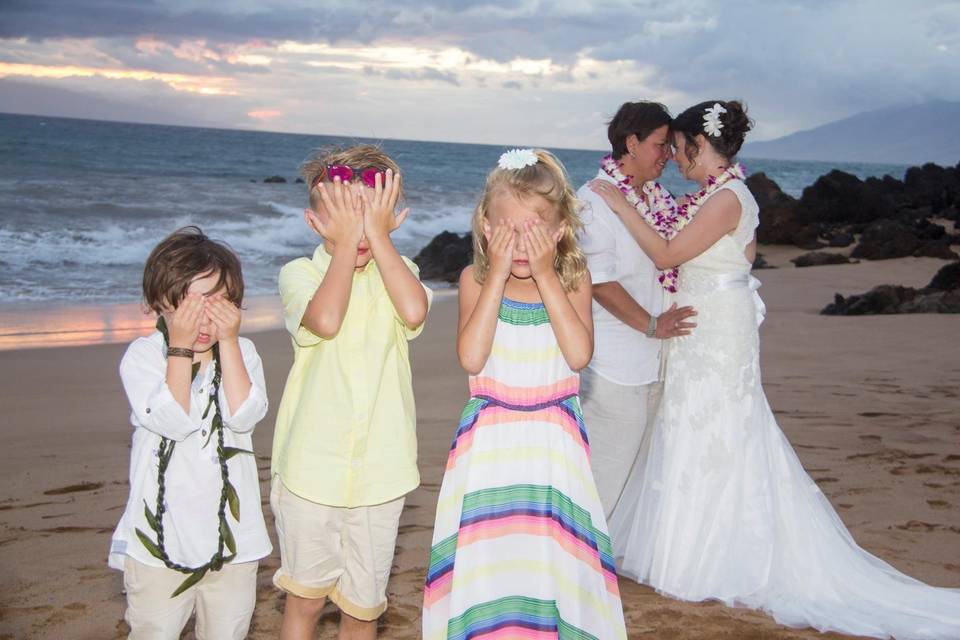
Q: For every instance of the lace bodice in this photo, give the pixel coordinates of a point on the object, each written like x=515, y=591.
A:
x=727, y=254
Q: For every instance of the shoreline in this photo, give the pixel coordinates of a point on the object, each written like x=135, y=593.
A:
x=869, y=403
x=32, y=325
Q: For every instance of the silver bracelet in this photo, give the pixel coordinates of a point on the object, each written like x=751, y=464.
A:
x=652, y=326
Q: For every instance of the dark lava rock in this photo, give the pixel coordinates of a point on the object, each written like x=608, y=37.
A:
x=933, y=185
x=840, y=239
x=890, y=299
x=885, y=239
x=819, y=258
x=840, y=197
x=808, y=238
x=298, y=181
x=947, y=279
x=445, y=257
x=760, y=263
x=937, y=249
x=275, y=180
x=779, y=212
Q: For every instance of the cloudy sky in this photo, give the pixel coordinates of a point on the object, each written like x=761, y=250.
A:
x=495, y=71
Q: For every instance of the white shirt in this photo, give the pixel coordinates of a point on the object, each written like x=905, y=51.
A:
x=193, y=482
x=620, y=354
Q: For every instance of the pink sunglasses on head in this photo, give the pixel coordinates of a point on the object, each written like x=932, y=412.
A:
x=346, y=174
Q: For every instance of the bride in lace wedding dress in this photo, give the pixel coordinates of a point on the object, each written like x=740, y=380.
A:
x=718, y=505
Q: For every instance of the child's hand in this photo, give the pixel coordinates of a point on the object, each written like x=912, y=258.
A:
x=378, y=209
x=225, y=315
x=541, y=248
x=500, y=245
x=183, y=323
x=344, y=225
x=613, y=197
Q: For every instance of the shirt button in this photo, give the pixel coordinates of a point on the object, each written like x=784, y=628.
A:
x=203, y=433
x=148, y=409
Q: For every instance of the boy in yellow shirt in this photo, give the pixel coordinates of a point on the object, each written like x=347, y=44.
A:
x=345, y=448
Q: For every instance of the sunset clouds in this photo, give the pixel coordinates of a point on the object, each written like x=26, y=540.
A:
x=524, y=72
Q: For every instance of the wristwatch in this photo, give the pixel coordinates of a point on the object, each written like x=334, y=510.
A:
x=652, y=326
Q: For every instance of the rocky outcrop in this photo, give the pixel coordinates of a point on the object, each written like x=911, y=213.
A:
x=942, y=295
x=779, y=212
x=819, y=258
x=885, y=239
x=893, y=216
x=275, y=180
x=840, y=197
x=445, y=257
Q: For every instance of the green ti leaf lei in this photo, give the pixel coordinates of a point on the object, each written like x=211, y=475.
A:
x=228, y=494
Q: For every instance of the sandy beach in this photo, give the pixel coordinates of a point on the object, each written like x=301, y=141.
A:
x=871, y=405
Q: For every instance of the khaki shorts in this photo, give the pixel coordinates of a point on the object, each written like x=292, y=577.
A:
x=224, y=601
x=340, y=553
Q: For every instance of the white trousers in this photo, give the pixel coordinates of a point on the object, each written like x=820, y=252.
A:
x=618, y=417
x=224, y=602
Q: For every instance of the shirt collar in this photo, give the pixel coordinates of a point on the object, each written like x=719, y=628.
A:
x=603, y=175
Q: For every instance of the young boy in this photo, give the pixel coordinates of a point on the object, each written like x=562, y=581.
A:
x=193, y=530
x=345, y=449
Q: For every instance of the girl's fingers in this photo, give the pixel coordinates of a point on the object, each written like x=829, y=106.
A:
x=499, y=235
x=400, y=218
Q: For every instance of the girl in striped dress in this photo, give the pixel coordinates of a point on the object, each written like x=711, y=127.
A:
x=520, y=546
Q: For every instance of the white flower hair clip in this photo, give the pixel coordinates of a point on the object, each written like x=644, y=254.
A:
x=517, y=159
x=711, y=120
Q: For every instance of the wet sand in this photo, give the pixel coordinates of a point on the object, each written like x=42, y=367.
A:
x=871, y=405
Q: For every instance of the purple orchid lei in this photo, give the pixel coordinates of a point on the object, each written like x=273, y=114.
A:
x=658, y=208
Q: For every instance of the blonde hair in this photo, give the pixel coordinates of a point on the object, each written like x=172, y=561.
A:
x=548, y=179
x=360, y=156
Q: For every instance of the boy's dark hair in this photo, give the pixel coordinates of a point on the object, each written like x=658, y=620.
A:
x=635, y=118
x=182, y=256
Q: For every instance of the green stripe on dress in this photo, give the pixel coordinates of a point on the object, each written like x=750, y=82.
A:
x=523, y=313
x=520, y=610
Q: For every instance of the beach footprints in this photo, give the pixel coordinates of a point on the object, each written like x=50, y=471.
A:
x=74, y=488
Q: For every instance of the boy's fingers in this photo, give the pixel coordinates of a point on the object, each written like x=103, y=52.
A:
x=326, y=197
x=394, y=194
x=338, y=188
x=378, y=181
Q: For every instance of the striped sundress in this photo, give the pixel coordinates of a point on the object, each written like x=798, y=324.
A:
x=520, y=545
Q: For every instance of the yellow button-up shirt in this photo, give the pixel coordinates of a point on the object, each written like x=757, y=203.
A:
x=346, y=426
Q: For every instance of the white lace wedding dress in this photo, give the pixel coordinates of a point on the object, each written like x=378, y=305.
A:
x=718, y=505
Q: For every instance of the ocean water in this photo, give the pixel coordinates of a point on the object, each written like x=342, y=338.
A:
x=83, y=202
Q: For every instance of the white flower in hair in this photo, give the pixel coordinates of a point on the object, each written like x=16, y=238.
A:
x=711, y=120
x=517, y=159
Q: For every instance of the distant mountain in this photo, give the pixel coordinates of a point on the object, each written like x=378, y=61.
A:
x=917, y=134
x=31, y=98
